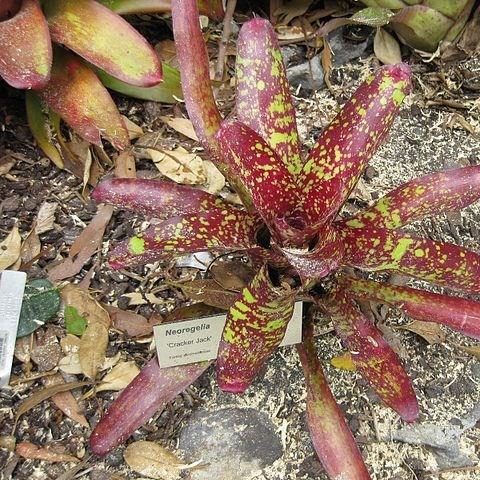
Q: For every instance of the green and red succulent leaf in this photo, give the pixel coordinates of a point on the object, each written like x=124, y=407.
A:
x=155, y=197
x=148, y=392
x=40, y=128
x=263, y=98
x=337, y=160
x=373, y=358
x=220, y=230
x=195, y=75
x=332, y=439
x=460, y=314
x=255, y=327
x=266, y=179
x=25, y=47
x=211, y=8
x=78, y=96
x=168, y=90
x=429, y=195
x=104, y=39
x=444, y=264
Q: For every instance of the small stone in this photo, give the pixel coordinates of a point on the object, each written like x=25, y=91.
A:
x=233, y=442
x=343, y=49
x=11, y=204
x=300, y=76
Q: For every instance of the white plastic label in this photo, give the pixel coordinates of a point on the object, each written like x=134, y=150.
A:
x=181, y=343
x=12, y=285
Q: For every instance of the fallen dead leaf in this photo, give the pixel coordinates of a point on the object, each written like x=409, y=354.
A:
x=70, y=364
x=232, y=275
x=7, y=442
x=181, y=125
x=93, y=346
x=47, y=392
x=431, y=332
x=31, y=247
x=152, y=460
x=85, y=305
x=84, y=246
x=125, y=165
x=134, y=130
x=343, y=362
x=471, y=350
x=290, y=10
x=207, y=291
x=179, y=165
x=386, y=48
x=46, y=350
x=6, y=164
x=45, y=217
x=133, y=324
x=119, y=377
x=65, y=401
x=215, y=180
x=29, y=450
x=10, y=249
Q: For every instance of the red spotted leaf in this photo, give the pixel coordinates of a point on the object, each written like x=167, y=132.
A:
x=25, y=47
x=154, y=197
x=373, y=357
x=212, y=8
x=104, y=39
x=148, y=392
x=445, y=264
x=266, y=178
x=195, y=75
x=429, y=195
x=219, y=230
x=76, y=94
x=341, y=153
x=332, y=439
x=255, y=327
x=457, y=313
x=263, y=97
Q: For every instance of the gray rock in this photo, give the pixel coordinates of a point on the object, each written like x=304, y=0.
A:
x=343, y=49
x=442, y=440
x=299, y=75
x=234, y=442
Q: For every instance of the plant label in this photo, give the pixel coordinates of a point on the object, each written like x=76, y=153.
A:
x=12, y=285
x=196, y=340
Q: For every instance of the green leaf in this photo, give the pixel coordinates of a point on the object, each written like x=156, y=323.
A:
x=373, y=16
x=75, y=323
x=168, y=90
x=41, y=301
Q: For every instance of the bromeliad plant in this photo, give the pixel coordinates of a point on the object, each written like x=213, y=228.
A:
x=291, y=229
x=60, y=81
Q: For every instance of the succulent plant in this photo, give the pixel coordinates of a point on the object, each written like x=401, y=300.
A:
x=298, y=241
x=59, y=80
x=423, y=24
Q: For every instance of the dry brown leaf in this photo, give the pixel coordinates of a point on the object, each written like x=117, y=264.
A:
x=294, y=33
x=31, y=247
x=6, y=164
x=215, y=180
x=179, y=165
x=431, y=332
x=7, y=442
x=47, y=392
x=131, y=323
x=45, y=217
x=181, y=125
x=93, y=346
x=125, y=165
x=167, y=51
x=86, y=306
x=46, y=350
x=134, y=130
x=23, y=348
x=327, y=63
x=386, y=48
x=471, y=350
x=70, y=364
x=65, y=401
x=208, y=291
x=119, y=377
x=10, y=249
x=152, y=460
x=292, y=9
x=232, y=275
x=84, y=246
x=29, y=450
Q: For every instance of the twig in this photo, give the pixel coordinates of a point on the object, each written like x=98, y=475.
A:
x=227, y=30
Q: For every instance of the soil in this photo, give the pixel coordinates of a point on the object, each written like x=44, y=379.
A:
x=446, y=378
